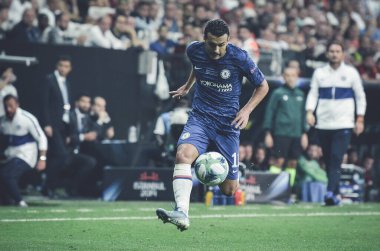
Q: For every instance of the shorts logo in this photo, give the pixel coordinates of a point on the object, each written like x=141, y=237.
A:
x=225, y=74
x=185, y=135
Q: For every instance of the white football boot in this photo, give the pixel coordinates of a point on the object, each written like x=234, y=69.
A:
x=177, y=218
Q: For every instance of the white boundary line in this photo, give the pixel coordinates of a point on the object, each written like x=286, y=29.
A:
x=205, y=216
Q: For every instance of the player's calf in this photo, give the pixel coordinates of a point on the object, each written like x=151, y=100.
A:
x=229, y=187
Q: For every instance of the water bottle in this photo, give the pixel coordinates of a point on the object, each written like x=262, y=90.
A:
x=209, y=198
x=238, y=197
x=132, y=134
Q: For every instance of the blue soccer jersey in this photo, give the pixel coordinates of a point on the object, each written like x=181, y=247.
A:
x=218, y=84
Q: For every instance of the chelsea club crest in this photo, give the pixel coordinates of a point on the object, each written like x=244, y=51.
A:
x=225, y=74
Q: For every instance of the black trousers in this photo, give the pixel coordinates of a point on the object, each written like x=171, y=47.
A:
x=57, y=157
x=10, y=173
x=77, y=173
x=334, y=145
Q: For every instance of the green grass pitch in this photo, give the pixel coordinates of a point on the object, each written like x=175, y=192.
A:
x=96, y=225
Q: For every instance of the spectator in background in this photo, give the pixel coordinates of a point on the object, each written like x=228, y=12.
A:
x=20, y=132
x=242, y=162
x=367, y=69
x=17, y=8
x=260, y=160
x=25, y=30
x=248, y=42
x=100, y=116
x=83, y=127
x=43, y=26
x=352, y=156
x=242, y=157
x=155, y=15
x=334, y=87
x=200, y=15
x=170, y=18
x=6, y=86
x=52, y=9
x=369, y=178
x=101, y=36
x=5, y=23
x=56, y=100
x=125, y=32
x=64, y=32
x=285, y=125
x=80, y=138
x=141, y=15
x=378, y=70
x=163, y=46
x=246, y=154
x=312, y=178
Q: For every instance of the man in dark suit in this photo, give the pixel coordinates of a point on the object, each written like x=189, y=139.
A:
x=81, y=135
x=82, y=129
x=25, y=30
x=56, y=115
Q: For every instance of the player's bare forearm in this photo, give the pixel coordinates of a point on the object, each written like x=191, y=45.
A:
x=257, y=96
x=183, y=90
x=191, y=80
x=242, y=117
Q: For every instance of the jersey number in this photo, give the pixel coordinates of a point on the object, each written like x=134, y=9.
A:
x=236, y=160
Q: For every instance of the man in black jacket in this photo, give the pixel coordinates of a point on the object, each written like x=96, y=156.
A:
x=80, y=133
x=25, y=30
x=56, y=107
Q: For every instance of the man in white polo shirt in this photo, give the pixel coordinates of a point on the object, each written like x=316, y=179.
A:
x=336, y=88
x=19, y=131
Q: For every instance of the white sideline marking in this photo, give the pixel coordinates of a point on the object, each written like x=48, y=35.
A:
x=84, y=210
x=58, y=211
x=120, y=210
x=205, y=216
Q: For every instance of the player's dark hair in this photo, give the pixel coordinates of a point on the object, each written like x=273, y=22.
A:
x=335, y=42
x=64, y=58
x=216, y=27
x=10, y=96
x=81, y=95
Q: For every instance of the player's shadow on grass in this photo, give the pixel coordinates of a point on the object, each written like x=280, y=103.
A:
x=44, y=204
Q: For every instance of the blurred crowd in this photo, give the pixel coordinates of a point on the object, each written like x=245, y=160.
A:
x=258, y=26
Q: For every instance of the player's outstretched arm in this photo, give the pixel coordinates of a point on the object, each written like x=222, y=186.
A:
x=184, y=90
x=258, y=95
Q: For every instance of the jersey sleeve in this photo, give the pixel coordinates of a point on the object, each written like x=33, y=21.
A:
x=190, y=50
x=251, y=71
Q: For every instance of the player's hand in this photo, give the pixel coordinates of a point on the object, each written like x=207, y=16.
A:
x=241, y=120
x=41, y=165
x=48, y=131
x=310, y=118
x=90, y=136
x=182, y=91
x=268, y=140
x=359, y=127
x=304, y=141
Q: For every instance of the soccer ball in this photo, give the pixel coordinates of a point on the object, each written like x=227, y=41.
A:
x=211, y=168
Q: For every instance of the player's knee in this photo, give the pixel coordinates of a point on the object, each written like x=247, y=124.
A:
x=183, y=156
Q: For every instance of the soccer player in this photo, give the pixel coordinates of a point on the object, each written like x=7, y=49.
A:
x=215, y=120
x=335, y=87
